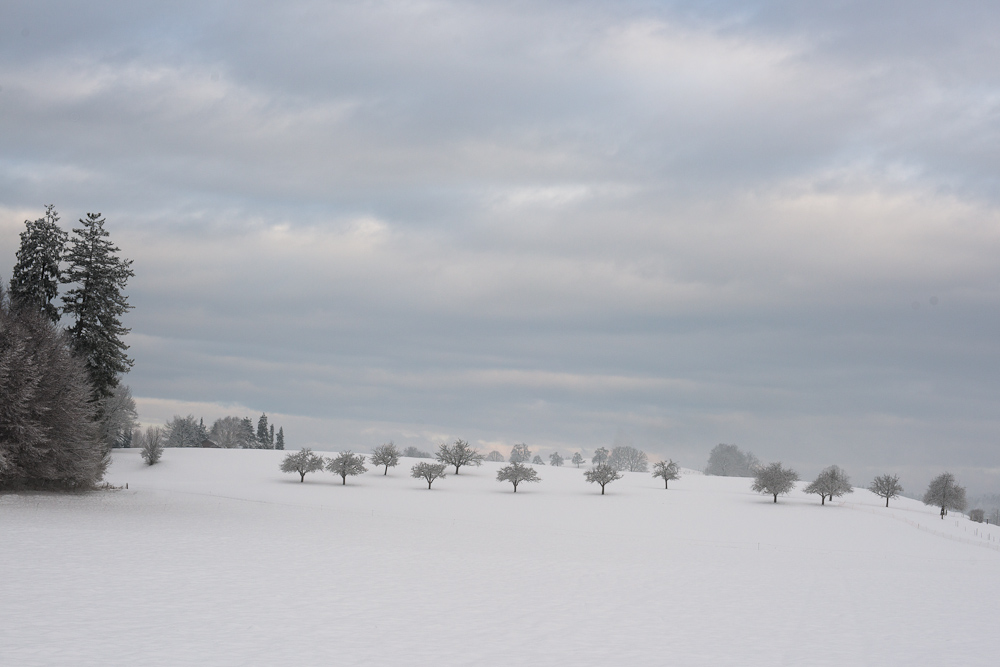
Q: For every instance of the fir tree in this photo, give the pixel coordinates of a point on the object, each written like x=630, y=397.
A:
x=279, y=440
x=35, y=281
x=263, y=436
x=97, y=302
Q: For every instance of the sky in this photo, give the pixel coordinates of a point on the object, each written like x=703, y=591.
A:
x=574, y=225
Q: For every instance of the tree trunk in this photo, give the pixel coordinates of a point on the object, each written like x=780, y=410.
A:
x=302, y=477
x=344, y=477
x=515, y=487
x=456, y=469
x=386, y=469
x=665, y=483
x=428, y=486
x=776, y=497
x=887, y=501
x=602, y=489
x=823, y=500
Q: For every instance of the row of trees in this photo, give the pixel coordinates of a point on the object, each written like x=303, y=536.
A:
x=622, y=458
x=226, y=432
x=774, y=479
x=458, y=455
x=62, y=402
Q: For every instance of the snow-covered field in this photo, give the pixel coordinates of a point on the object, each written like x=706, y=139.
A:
x=214, y=557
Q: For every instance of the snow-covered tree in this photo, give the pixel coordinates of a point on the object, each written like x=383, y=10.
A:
x=602, y=474
x=118, y=417
x=626, y=457
x=97, y=302
x=944, y=492
x=977, y=515
x=774, y=480
x=151, y=441
x=830, y=483
x=537, y=461
x=184, y=432
x=279, y=441
x=458, y=455
x=577, y=459
x=600, y=456
x=35, y=281
x=263, y=432
x=428, y=472
x=517, y=472
x=667, y=470
x=48, y=435
x=412, y=452
x=494, y=456
x=233, y=432
x=303, y=461
x=519, y=453
x=347, y=464
x=728, y=461
x=886, y=486
x=555, y=459
x=385, y=455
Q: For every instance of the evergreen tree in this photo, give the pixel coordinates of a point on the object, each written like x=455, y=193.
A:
x=48, y=437
x=263, y=436
x=279, y=441
x=97, y=302
x=35, y=281
x=247, y=438
x=270, y=437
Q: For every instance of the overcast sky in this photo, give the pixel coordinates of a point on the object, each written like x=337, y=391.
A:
x=675, y=224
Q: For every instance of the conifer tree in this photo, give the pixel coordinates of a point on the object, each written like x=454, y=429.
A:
x=97, y=302
x=263, y=436
x=35, y=280
x=279, y=440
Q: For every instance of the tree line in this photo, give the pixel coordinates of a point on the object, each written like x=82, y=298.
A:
x=773, y=479
x=63, y=405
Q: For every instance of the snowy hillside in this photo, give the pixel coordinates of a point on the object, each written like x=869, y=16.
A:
x=214, y=557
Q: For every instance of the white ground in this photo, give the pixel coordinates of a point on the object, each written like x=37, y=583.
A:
x=216, y=558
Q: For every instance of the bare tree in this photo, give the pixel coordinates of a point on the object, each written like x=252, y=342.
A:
x=151, y=441
x=495, y=457
x=977, y=515
x=626, y=457
x=945, y=493
x=831, y=482
x=302, y=462
x=347, y=463
x=520, y=453
x=428, y=472
x=385, y=455
x=774, y=480
x=458, y=455
x=600, y=456
x=602, y=474
x=728, y=461
x=668, y=470
x=516, y=473
x=886, y=486
x=577, y=459
x=555, y=459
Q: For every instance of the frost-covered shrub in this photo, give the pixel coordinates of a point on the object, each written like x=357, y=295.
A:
x=151, y=442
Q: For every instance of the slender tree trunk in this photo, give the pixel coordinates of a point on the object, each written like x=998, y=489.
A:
x=887, y=501
x=602, y=489
x=302, y=477
x=386, y=469
x=456, y=469
x=344, y=477
x=823, y=501
x=665, y=483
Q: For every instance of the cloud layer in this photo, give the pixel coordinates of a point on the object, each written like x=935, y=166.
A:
x=760, y=223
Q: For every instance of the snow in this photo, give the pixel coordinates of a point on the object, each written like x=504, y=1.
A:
x=215, y=557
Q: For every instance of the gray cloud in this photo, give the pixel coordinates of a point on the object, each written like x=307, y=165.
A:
x=542, y=221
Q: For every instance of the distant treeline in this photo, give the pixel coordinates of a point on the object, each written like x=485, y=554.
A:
x=226, y=433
